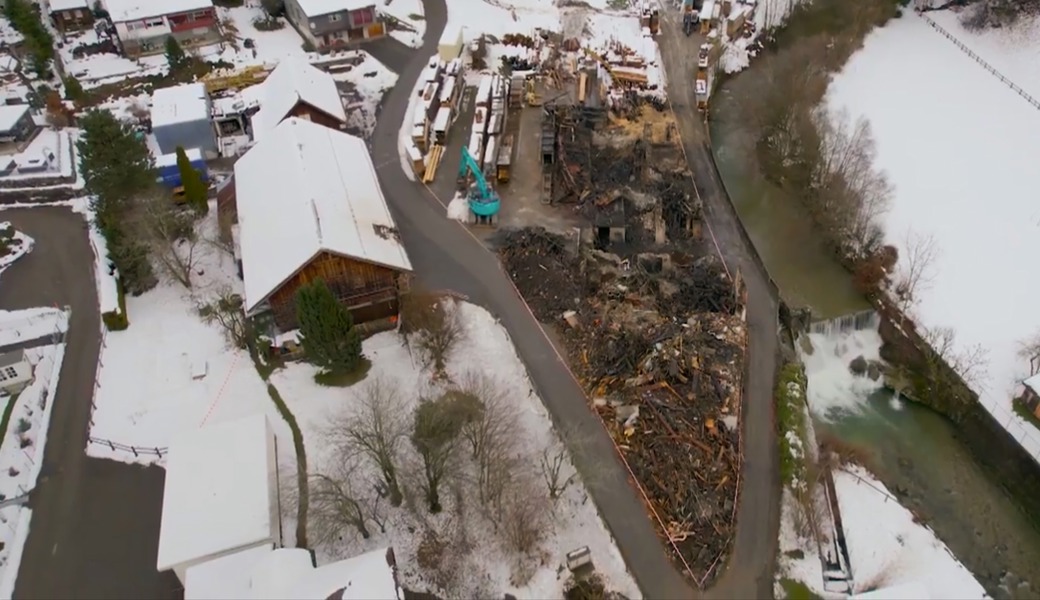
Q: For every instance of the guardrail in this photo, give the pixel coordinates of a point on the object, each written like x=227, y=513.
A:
x=135, y=450
x=979, y=59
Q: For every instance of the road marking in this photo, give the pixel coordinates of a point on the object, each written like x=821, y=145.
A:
x=54, y=550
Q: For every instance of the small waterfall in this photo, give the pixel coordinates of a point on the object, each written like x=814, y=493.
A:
x=867, y=319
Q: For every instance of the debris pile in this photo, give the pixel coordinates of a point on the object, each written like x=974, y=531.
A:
x=658, y=342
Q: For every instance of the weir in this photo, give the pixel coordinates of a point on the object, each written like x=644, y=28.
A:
x=857, y=321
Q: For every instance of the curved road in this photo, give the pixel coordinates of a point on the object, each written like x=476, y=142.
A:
x=95, y=523
x=445, y=256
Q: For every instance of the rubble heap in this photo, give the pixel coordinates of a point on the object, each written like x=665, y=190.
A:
x=658, y=342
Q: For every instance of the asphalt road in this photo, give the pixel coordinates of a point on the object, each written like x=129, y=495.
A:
x=749, y=571
x=446, y=256
x=95, y=524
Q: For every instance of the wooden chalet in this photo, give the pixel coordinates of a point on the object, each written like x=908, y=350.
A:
x=297, y=89
x=309, y=206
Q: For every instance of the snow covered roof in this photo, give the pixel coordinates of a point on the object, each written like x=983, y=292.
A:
x=132, y=10
x=292, y=81
x=179, y=104
x=266, y=573
x=220, y=492
x=316, y=8
x=55, y=5
x=306, y=189
x=1033, y=383
x=904, y=591
x=169, y=160
x=9, y=115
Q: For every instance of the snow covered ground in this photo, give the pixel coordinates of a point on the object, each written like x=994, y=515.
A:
x=371, y=79
x=146, y=390
x=22, y=444
x=484, y=570
x=409, y=12
x=959, y=146
x=49, y=154
x=887, y=547
x=18, y=245
x=103, y=66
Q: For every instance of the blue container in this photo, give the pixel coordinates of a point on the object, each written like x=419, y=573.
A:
x=170, y=175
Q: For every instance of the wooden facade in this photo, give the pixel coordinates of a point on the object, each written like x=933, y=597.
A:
x=370, y=291
x=73, y=19
x=307, y=111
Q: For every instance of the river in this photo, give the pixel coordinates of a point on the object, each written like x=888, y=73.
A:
x=914, y=450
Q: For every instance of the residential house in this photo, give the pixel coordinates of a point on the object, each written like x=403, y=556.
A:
x=221, y=494
x=70, y=15
x=181, y=117
x=16, y=123
x=297, y=89
x=310, y=206
x=16, y=371
x=331, y=24
x=143, y=25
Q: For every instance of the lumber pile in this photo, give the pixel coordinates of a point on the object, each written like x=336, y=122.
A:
x=433, y=160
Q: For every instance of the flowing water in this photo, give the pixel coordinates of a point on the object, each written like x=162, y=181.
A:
x=914, y=451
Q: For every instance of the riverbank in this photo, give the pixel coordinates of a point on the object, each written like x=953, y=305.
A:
x=807, y=271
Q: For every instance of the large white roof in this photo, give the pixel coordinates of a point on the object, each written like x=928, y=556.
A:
x=179, y=104
x=220, y=491
x=132, y=10
x=266, y=573
x=9, y=115
x=306, y=189
x=67, y=4
x=314, y=8
x=1033, y=383
x=293, y=80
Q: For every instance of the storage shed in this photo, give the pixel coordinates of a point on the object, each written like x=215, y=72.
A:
x=15, y=372
x=16, y=123
x=221, y=494
x=181, y=117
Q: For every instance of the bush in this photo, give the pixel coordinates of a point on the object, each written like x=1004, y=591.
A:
x=117, y=320
x=790, y=416
x=268, y=23
x=23, y=425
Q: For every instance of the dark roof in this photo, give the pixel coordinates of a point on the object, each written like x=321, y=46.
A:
x=12, y=358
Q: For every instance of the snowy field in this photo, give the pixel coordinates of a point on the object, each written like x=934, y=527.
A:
x=17, y=245
x=886, y=547
x=371, y=79
x=960, y=148
x=22, y=444
x=149, y=389
x=409, y=12
x=485, y=569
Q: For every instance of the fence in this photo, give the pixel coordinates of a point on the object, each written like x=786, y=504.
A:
x=985, y=65
x=135, y=450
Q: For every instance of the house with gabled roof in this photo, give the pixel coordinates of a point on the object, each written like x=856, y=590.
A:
x=297, y=89
x=309, y=205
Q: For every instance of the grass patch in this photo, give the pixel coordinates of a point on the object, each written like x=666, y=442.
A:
x=796, y=590
x=416, y=17
x=345, y=379
x=791, y=417
x=1023, y=411
x=6, y=419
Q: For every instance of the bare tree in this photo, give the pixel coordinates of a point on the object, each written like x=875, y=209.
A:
x=430, y=325
x=490, y=425
x=525, y=519
x=436, y=438
x=921, y=251
x=375, y=431
x=227, y=312
x=557, y=470
x=969, y=363
x=1029, y=349
x=336, y=506
x=170, y=235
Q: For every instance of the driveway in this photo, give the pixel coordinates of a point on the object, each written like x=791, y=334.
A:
x=95, y=526
x=446, y=256
x=749, y=572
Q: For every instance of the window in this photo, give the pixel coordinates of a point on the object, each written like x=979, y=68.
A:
x=77, y=14
x=8, y=373
x=335, y=17
x=313, y=25
x=154, y=23
x=363, y=16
